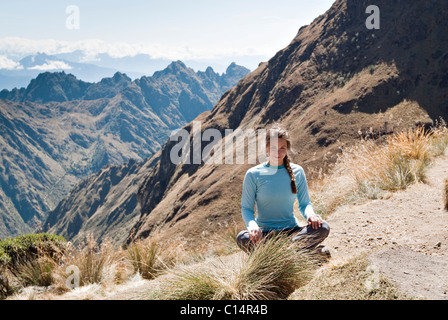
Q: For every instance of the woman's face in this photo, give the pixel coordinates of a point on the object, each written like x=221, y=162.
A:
x=276, y=151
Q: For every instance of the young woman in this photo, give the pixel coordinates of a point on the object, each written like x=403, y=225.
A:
x=273, y=187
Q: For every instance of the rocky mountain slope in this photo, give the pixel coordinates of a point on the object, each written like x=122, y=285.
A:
x=60, y=129
x=335, y=82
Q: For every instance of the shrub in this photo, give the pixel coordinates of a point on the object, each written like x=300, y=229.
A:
x=37, y=272
x=371, y=170
x=150, y=257
x=439, y=138
x=273, y=271
x=29, y=260
x=411, y=144
x=397, y=164
x=26, y=248
x=6, y=288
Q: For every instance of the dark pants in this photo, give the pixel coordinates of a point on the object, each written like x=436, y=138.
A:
x=311, y=237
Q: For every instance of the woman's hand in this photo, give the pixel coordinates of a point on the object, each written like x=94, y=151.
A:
x=315, y=222
x=255, y=235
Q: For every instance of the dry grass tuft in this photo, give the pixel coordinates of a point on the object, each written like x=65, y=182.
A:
x=369, y=170
x=355, y=279
x=272, y=271
x=97, y=264
x=150, y=258
x=393, y=166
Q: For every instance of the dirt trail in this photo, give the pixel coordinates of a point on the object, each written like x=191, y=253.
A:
x=406, y=235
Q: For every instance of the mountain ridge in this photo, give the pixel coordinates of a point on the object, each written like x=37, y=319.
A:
x=64, y=137
x=31, y=66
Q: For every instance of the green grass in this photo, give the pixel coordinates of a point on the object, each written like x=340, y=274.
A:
x=29, y=260
x=14, y=251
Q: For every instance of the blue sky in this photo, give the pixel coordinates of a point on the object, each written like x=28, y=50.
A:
x=172, y=29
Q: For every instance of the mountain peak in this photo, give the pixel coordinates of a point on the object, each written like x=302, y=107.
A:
x=177, y=65
x=209, y=70
x=118, y=76
x=56, y=76
x=175, y=68
x=235, y=70
x=54, y=86
x=36, y=59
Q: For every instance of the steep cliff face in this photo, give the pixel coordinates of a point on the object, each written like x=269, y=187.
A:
x=336, y=80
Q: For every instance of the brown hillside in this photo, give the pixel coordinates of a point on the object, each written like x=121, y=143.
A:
x=335, y=81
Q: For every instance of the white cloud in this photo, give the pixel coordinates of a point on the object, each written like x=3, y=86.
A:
x=52, y=65
x=8, y=64
x=91, y=48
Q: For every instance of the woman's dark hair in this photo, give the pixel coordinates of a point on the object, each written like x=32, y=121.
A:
x=280, y=133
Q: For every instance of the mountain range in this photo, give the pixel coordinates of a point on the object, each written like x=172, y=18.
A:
x=92, y=69
x=336, y=82
x=59, y=130
x=29, y=67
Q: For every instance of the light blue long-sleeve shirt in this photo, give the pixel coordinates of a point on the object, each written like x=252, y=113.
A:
x=268, y=188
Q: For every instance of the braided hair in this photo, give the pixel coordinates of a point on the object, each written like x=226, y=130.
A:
x=280, y=133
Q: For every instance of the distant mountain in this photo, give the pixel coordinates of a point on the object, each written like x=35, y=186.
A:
x=336, y=81
x=144, y=64
x=31, y=66
x=190, y=92
x=102, y=66
x=59, y=130
x=62, y=87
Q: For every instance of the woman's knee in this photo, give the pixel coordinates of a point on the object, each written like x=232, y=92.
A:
x=325, y=226
x=325, y=229
x=243, y=240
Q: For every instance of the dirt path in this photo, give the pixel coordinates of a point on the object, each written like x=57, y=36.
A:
x=406, y=235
